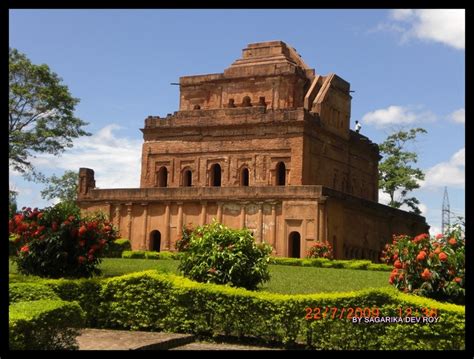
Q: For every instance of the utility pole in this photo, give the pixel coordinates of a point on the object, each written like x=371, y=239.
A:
x=445, y=213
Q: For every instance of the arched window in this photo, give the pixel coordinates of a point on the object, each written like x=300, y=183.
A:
x=215, y=175
x=187, y=178
x=162, y=177
x=280, y=174
x=244, y=177
x=155, y=241
x=294, y=245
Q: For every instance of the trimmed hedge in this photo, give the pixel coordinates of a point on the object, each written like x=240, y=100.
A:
x=24, y=292
x=44, y=325
x=154, y=301
x=150, y=255
x=328, y=263
x=302, y=262
x=117, y=247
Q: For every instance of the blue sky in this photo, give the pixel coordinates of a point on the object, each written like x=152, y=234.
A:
x=407, y=67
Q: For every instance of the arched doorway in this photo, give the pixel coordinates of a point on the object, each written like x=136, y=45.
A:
x=244, y=177
x=294, y=245
x=280, y=174
x=187, y=178
x=155, y=240
x=162, y=177
x=215, y=175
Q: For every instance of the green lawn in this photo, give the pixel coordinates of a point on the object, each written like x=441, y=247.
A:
x=284, y=279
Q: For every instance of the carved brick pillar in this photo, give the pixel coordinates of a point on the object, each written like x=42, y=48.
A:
x=274, y=227
x=260, y=222
x=219, y=212
x=179, y=230
x=145, y=226
x=167, y=237
x=242, y=215
x=117, y=215
x=129, y=221
x=202, y=220
x=108, y=210
x=322, y=219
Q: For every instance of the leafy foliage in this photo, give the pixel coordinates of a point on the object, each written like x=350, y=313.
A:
x=44, y=325
x=41, y=114
x=320, y=250
x=218, y=254
x=63, y=188
x=57, y=242
x=12, y=206
x=396, y=174
x=155, y=301
x=431, y=267
x=182, y=243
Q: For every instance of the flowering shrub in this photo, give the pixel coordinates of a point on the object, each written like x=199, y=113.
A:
x=182, y=243
x=57, y=242
x=320, y=250
x=218, y=254
x=431, y=267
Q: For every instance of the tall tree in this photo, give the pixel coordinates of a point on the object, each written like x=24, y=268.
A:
x=63, y=188
x=397, y=176
x=41, y=114
x=12, y=205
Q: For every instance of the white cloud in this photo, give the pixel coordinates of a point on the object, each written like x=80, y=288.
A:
x=447, y=26
x=458, y=116
x=115, y=160
x=434, y=230
x=449, y=173
x=396, y=115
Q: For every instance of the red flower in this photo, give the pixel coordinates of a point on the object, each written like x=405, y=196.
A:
x=426, y=275
x=71, y=218
x=25, y=249
x=437, y=250
x=442, y=256
x=452, y=241
x=212, y=270
x=90, y=257
x=420, y=237
x=439, y=236
x=54, y=226
x=400, y=277
x=395, y=256
x=81, y=259
x=421, y=256
x=40, y=215
x=107, y=228
x=82, y=230
x=397, y=264
x=457, y=280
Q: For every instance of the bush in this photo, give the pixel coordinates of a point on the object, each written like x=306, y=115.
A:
x=150, y=255
x=44, y=325
x=164, y=302
x=218, y=254
x=12, y=245
x=431, y=267
x=326, y=263
x=133, y=254
x=320, y=250
x=57, y=242
x=182, y=243
x=24, y=292
x=115, y=248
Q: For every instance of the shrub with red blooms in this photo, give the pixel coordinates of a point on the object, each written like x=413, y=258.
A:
x=431, y=267
x=57, y=242
x=320, y=250
x=182, y=244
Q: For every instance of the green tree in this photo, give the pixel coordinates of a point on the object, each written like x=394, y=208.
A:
x=397, y=176
x=12, y=206
x=63, y=188
x=41, y=114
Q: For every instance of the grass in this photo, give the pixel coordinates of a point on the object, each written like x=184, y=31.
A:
x=284, y=279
